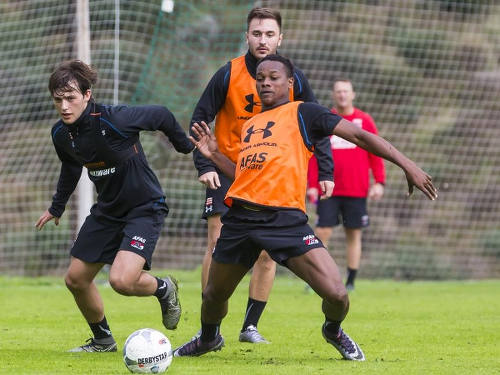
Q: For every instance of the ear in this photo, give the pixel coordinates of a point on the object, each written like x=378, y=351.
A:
x=280, y=39
x=87, y=95
x=246, y=38
x=291, y=80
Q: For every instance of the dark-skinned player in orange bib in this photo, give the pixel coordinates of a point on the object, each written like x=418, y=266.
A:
x=230, y=98
x=267, y=209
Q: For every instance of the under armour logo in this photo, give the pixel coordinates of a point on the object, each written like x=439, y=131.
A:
x=266, y=132
x=251, y=103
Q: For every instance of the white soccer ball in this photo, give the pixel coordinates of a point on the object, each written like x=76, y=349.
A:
x=147, y=351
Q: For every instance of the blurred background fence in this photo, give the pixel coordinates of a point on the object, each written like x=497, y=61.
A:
x=428, y=71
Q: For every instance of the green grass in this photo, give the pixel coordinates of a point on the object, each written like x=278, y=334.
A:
x=403, y=328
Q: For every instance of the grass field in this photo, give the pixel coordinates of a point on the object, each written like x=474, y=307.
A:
x=403, y=328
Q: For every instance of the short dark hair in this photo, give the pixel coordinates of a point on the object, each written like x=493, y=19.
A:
x=72, y=71
x=264, y=13
x=282, y=59
x=343, y=79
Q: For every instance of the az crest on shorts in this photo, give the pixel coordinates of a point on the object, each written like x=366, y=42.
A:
x=310, y=239
x=138, y=242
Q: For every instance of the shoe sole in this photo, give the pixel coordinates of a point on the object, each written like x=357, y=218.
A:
x=82, y=350
x=254, y=342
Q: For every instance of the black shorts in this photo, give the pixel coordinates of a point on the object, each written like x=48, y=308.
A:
x=214, y=198
x=101, y=237
x=246, y=232
x=352, y=210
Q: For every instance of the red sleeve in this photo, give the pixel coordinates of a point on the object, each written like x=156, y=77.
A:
x=312, y=173
x=376, y=163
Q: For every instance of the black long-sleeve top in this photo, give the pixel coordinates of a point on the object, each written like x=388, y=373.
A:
x=120, y=186
x=214, y=96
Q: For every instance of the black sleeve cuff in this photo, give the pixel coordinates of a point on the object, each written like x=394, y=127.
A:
x=56, y=212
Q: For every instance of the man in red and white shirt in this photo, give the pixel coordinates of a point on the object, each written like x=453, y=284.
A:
x=352, y=181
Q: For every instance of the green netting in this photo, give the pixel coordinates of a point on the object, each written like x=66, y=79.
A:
x=427, y=71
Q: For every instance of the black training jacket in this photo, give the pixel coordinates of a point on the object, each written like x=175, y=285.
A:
x=105, y=139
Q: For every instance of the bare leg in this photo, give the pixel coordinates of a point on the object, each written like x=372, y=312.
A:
x=262, y=279
x=263, y=272
x=222, y=281
x=127, y=277
x=324, y=234
x=319, y=270
x=80, y=282
x=214, y=227
x=260, y=287
x=353, y=239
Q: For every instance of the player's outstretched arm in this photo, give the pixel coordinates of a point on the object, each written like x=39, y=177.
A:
x=206, y=143
x=45, y=218
x=381, y=147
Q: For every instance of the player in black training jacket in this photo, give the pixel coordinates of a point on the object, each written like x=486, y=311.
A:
x=125, y=222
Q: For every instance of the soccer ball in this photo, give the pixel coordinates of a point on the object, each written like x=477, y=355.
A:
x=147, y=351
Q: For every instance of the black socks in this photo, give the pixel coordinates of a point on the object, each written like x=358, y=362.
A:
x=101, y=330
x=209, y=331
x=332, y=328
x=351, y=275
x=254, y=311
x=162, y=288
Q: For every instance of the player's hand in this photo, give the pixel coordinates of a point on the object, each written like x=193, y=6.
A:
x=417, y=177
x=210, y=180
x=376, y=192
x=312, y=195
x=205, y=140
x=326, y=189
x=45, y=218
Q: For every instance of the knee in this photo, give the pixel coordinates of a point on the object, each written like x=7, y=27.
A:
x=120, y=285
x=214, y=228
x=337, y=295
x=76, y=284
x=211, y=295
x=208, y=294
x=265, y=262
